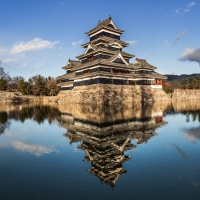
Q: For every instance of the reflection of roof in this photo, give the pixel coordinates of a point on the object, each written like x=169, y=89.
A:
x=105, y=144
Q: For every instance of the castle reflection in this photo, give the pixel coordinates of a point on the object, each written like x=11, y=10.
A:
x=105, y=133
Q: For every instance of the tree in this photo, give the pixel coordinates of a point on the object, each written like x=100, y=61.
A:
x=193, y=84
x=51, y=86
x=187, y=84
x=24, y=87
x=198, y=82
x=3, y=84
x=13, y=84
x=4, y=78
x=40, y=88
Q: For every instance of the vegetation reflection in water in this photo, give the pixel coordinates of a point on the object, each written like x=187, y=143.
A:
x=106, y=133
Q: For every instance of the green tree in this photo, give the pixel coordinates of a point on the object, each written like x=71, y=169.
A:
x=198, y=82
x=24, y=87
x=193, y=84
x=186, y=84
x=4, y=78
x=3, y=84
x=40, y=83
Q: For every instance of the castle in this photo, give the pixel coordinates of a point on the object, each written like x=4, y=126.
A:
x=105, y=62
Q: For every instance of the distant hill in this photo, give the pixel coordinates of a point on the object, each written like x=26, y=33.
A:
x=180, y=78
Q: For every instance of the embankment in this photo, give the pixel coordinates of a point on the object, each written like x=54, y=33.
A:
x=106, y=94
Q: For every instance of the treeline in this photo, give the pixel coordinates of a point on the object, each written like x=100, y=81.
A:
x=193, y=83
x=36, y=85
x=188, y=83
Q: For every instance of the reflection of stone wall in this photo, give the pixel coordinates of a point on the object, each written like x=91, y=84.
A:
x=114, y=112
x=186, y=94
x=179, y=106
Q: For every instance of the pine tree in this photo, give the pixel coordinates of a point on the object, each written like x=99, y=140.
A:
x=40, y=88
x=24, y=87
x=198, y=82
x=187, y=83
x=193, y=84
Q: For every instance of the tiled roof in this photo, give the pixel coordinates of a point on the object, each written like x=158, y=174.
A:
x=105, y=50
x=104, y=24
x=72, y=64
x=142, y=64
x=158, y=76
x=107, y=39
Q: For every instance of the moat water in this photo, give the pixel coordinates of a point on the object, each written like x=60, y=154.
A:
x=100, y=152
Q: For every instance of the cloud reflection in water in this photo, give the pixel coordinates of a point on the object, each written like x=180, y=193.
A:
x=192, y=134
x=38, y=150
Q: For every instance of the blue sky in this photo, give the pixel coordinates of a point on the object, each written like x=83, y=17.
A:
x=39, y=36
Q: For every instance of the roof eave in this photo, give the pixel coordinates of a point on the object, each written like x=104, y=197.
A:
x=104, y=27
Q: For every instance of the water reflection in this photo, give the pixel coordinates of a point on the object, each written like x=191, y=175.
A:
x=34, y=149
x=106, y=133
x=4, y=123
x=192, y=134
x=35, y=112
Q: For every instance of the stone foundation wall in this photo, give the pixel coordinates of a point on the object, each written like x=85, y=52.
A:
x=186, y=95
x=110, y=94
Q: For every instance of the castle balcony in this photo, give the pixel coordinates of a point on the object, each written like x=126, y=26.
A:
x=145, y=76
x=108, y=74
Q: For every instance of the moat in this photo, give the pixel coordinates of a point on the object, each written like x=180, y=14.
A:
x=129, y=151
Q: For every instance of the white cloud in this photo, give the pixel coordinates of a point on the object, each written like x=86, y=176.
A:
x=3, y=49
x=185, y=9
x=191, y=54
x=74, y=44
x=132, y=42
x=40, y=64
x=179, y=36
x=37, y=150
x=32, y=45
x=23, y=65
x=190, y=5
x=8, y=60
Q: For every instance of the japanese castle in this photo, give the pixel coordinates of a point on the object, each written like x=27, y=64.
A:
x=105, y=62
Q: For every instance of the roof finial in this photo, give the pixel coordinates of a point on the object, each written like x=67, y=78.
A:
x=110, y=16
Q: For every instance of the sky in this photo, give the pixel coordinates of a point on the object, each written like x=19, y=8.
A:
x=39, y=36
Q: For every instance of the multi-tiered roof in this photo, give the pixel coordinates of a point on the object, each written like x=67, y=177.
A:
x=104, y=61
